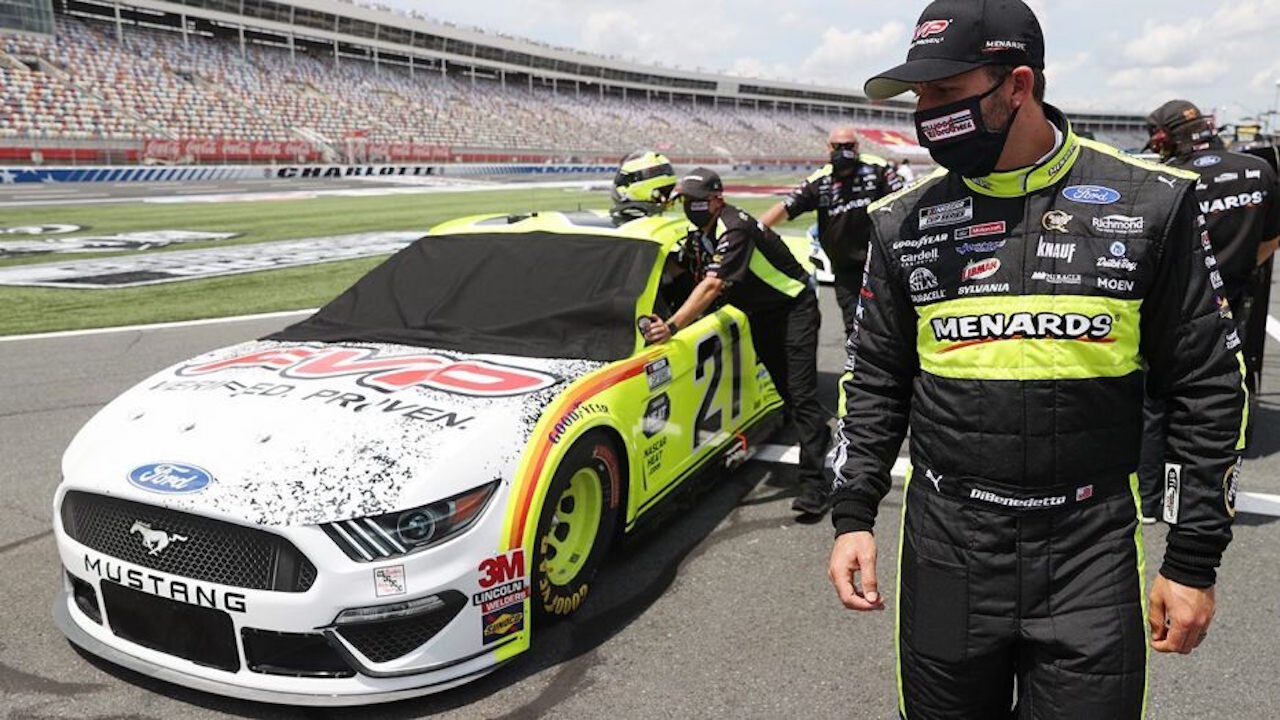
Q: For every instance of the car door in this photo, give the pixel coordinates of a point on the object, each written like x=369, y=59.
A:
x=701, y=403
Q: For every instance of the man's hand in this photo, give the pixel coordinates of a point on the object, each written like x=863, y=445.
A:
x=853, y=552
x=656, y=330
x=1179, y=615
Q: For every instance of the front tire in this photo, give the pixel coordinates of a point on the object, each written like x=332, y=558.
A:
x=577, y=525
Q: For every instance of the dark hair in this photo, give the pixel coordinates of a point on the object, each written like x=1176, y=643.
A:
x=999, y=72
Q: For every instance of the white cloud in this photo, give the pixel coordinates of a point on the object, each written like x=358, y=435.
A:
x=1202, y=72
x=615, y=32
x=1221, y=54
x=755, y=68
x=849, y=57
x=1159, y=44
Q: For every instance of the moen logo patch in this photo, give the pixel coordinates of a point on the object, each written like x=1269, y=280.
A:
x=965, y=330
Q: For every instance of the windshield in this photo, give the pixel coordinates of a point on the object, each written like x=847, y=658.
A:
x=534, y=294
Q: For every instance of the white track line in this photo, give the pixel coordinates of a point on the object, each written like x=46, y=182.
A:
x=790, y=455
x=1258, y=504
x=157, y=326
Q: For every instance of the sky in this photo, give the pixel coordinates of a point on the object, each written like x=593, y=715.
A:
x=1122, y=55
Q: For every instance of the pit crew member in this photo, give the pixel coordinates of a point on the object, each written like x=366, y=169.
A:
x=737, y=257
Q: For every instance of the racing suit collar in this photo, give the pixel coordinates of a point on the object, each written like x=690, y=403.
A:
x=1046, y=172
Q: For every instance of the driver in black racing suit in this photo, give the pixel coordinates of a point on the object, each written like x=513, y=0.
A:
x=1011, y=299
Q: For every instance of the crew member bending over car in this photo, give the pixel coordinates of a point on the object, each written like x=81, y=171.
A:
x=735, y=256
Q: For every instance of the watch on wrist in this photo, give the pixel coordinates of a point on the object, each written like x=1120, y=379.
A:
x=672, y=326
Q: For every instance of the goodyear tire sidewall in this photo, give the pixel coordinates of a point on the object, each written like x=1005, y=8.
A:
x=597, y=451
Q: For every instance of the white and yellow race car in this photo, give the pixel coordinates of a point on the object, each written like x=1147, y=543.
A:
x=388, y=498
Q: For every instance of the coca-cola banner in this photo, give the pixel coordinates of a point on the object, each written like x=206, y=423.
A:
x=203, y=150
x=162, y=149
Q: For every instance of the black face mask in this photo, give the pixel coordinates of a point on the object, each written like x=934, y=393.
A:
x=844, y=158
x=698, y=212
x=958, y=138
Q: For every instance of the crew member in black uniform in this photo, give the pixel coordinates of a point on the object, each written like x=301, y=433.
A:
x=840, y=192
x=753, y=269
x=1238, y=194
x=1240, y=200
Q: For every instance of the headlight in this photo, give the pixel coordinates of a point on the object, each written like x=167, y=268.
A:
x=379, y=537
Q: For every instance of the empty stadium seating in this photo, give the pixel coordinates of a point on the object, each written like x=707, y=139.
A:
x=85, y=84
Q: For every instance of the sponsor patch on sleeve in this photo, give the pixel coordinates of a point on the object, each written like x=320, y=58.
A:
x=1172, y=492
x=1230, y=486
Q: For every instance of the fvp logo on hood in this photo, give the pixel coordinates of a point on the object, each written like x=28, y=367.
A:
x=1091, y=194
x=170, y=478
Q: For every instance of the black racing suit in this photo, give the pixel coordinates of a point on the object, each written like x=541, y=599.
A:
x=1007, y=319
x=766, y=282
x=841, y=202
x=1240, y=200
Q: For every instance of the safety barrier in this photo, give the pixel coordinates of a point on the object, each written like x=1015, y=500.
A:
x=210, y=173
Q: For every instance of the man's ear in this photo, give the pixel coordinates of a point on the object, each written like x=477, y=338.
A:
x=1024, y=80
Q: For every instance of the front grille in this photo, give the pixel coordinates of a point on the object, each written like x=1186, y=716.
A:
x=197, y=547
x=385, y=640
x=202, y=635
x=292, y=654
x=86, y=598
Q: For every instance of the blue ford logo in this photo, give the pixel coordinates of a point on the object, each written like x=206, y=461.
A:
x=1206, y=161
x=170, y=478
x=1091, y=194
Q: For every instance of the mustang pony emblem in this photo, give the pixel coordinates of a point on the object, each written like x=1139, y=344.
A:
x=155, y=540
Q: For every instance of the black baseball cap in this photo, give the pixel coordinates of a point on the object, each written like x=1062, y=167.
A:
x=955, y=36
x=1174, y=114
x=701, y=184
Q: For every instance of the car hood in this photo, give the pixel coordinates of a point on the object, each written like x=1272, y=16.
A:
x=308, y=433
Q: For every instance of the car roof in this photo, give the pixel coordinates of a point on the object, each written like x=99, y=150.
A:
x=664, y=230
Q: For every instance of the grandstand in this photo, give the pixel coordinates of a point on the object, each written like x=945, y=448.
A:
x=265, y=81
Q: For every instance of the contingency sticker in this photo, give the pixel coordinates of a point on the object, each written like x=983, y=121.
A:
x=499, y=624
x=389, y=581
x=658, y=373
x=502, y=584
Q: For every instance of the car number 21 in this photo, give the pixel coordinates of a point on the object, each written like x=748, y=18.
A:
x=710, y=367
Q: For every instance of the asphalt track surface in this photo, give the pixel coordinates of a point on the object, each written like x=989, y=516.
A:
x=726, y=612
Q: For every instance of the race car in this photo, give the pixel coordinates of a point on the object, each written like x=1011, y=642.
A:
x=822, y=271
x=388, y=498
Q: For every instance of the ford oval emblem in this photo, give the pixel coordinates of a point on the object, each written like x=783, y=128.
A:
x=170, y=478
x=1091, y=194
x=1206, y=161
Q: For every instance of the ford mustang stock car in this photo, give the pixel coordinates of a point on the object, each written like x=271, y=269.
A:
x=822, y=271
x=386, y=499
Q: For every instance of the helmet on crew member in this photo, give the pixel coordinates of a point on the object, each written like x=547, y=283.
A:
x=643, y=184
x=1178, y=128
